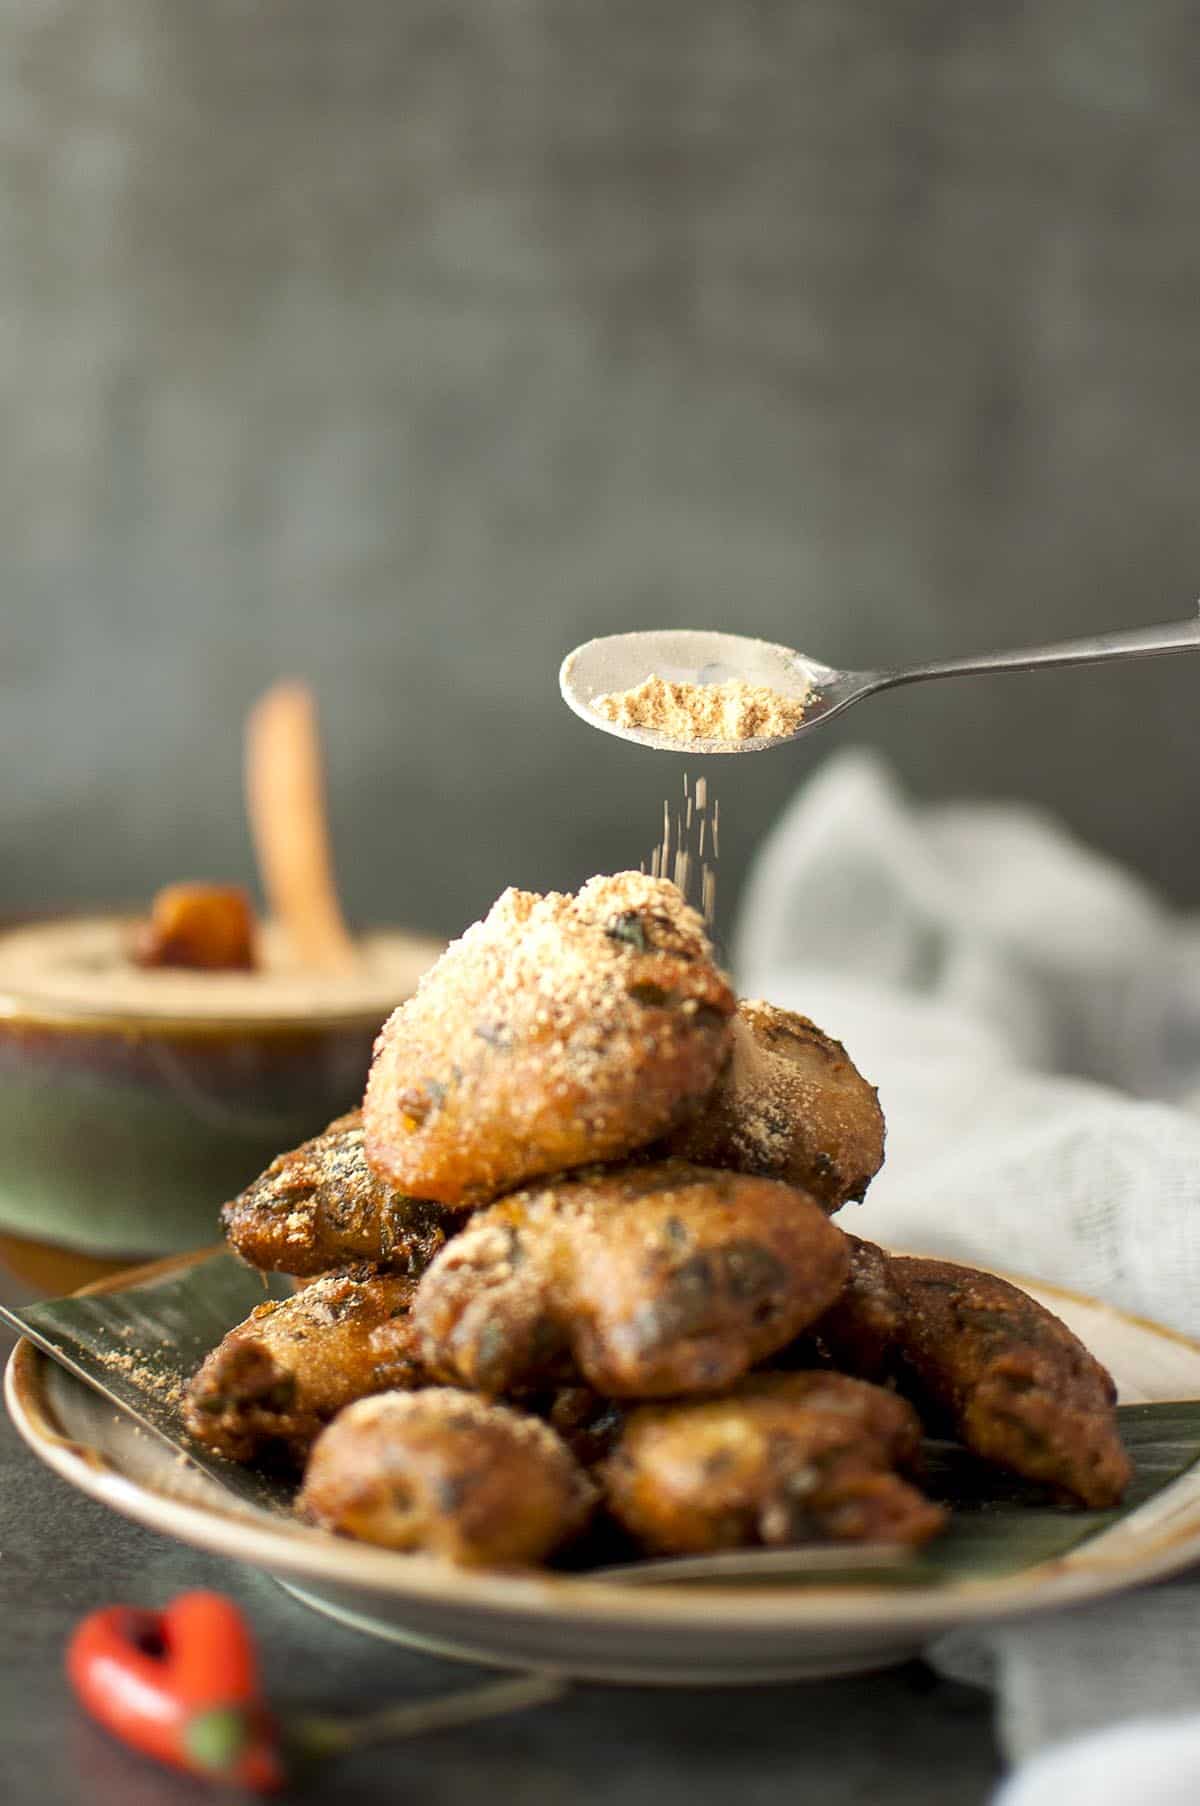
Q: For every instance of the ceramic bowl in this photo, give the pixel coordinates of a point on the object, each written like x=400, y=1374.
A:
x=122, y=1128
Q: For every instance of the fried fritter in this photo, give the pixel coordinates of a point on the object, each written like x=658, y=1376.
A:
x=558, y=1031
x=474, y=1483
x=783, y=1458
x=790, y=1105
x=280, y=1376
x=648, y=1280
x=876, y=1410
x=984, y=1361
x=320, y=1206
x=863, y=1332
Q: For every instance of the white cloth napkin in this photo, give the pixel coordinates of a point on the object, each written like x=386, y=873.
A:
x=1031, y=1015
x=1153, y=1761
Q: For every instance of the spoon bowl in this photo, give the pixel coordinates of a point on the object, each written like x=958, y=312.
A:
x=623, y=661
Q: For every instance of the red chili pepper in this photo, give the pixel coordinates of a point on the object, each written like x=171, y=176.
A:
x=181, y=1686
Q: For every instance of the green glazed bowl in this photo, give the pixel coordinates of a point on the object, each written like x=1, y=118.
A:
x=123, y=1131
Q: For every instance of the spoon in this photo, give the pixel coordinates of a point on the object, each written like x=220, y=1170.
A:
x=622, y=661
x=285, y=802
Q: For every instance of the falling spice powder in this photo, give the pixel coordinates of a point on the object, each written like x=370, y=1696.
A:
x=681, y=852
x=725, y=713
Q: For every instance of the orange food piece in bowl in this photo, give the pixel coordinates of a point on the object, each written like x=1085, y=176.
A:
x=204, y=926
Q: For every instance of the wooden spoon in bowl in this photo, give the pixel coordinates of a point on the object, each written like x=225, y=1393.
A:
x=285, y=803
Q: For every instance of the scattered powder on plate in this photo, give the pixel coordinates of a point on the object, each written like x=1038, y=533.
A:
x=166, y=1385
x=727, y=712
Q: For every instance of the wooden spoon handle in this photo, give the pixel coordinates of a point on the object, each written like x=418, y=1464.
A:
x=285, y=802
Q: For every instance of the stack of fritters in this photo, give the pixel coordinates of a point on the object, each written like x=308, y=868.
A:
x=584, y=1211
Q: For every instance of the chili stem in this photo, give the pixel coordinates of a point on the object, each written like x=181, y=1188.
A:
x=333, y=1736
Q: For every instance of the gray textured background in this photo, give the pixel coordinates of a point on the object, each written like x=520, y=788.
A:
x=404, y=345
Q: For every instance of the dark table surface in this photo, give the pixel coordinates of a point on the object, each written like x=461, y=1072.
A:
x=898, y=1737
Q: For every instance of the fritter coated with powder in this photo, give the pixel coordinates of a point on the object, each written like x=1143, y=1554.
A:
x=987, y=1363
x=280, y=1376
x=320, y=1207
x=442, y=1471
x=790, y=1105
x=783, y=1458
x=558, y=1031
x=648, y=1281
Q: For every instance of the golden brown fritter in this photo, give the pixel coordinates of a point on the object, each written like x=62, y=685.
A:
x=862, y=1333
x=559, y=1030
x=876, y=1410
x=790, y=1105
x=988, y=1364
x=206, y=926
x=647, y=1280
x=473, y=1483
x=783, y=1458
x=320, y=1207
x=281, y=1375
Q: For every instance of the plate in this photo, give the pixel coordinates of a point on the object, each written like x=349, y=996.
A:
x=582, y=1625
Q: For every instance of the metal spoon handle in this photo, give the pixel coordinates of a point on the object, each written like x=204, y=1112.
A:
x=1138, y=642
